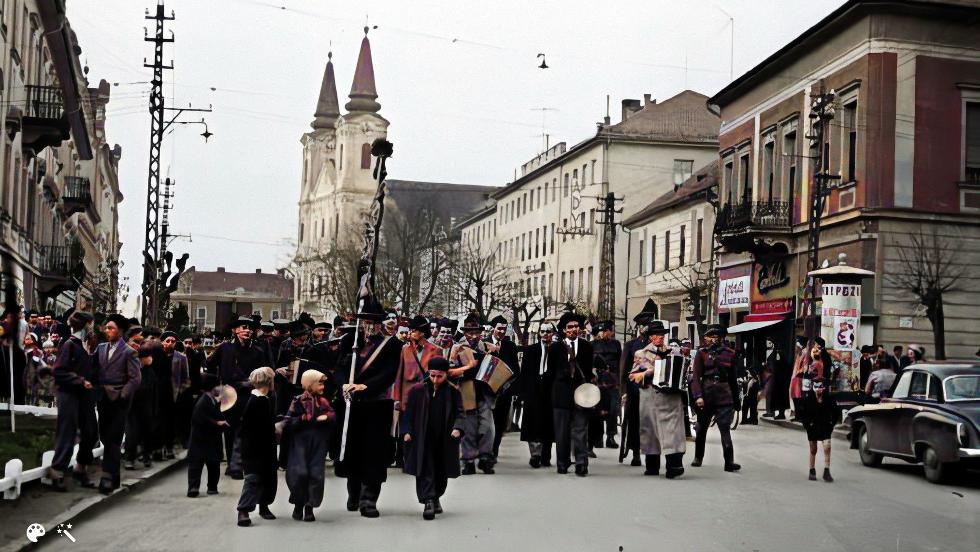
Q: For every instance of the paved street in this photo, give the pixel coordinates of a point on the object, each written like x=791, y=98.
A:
x=769, y=506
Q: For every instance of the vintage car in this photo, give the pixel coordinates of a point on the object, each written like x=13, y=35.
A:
x=933, y=417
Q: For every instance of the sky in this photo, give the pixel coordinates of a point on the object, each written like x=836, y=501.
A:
x=458, y=80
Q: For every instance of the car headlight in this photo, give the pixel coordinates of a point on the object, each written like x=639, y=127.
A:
x=962, y=435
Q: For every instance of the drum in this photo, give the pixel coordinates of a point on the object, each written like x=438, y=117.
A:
x=669, y=373
x=494, y=372
x=587, y=395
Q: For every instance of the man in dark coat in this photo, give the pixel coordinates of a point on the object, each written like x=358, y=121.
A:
x=477, y=447
x=76, y=377
x=714, y=389
x=204, y=446
x=311, y=357
x=535, y=392
x=234, y=361
x=506, y=350
x=608, y=351
x=570, y=365
x=780, y=372
x=367, y=448
x=631, y=414
x=435, y=424
x=119, y=374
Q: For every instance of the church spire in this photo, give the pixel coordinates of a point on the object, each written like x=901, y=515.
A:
x=327, y=106
x=363, y=96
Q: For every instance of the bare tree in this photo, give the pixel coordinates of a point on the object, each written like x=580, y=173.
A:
x=334, y=284
x=696, y=281
x=413, y=254
x=480, y=281
x=928, y=272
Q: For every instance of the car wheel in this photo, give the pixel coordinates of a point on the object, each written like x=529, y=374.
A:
x=936, y=471
x=868, y=458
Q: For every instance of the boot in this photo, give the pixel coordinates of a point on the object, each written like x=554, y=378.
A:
x=438, y=505
x=429, y=512
x=308, y=513
x=130, y=465
x=169, y=454
x=351, y=503
x=370, y=511
x=730, y=465
x=635, y=462
x=298, y=512
x=468, y=468
x=265, y=513
x=105, y=486
x=581, y=470
x=535, y=462
x=243, y=519
x=485, y=466
x=58, y=484
x=81, y=476
x=213, y=491
x=592, y=454
x=653, y=464
x=813, y=474
x=696, y=463
x=146, y=461
x=611, y=442
x=733, y=467
x=826, y=475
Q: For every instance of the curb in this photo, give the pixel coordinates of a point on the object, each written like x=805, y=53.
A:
x=99, y=501
x=840, y=432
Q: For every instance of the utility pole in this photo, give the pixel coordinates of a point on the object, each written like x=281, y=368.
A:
x=821, y=113
x=153, y=248
x=607, y=261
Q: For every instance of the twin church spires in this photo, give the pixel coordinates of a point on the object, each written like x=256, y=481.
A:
x=363, y=96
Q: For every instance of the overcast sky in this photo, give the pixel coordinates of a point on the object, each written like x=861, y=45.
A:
x=457, y=79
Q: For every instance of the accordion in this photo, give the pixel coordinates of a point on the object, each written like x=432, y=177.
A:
x=670, y=373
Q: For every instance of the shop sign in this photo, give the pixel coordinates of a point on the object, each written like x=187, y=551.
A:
x=733, y=293
x=773, y=306
x=771, y=276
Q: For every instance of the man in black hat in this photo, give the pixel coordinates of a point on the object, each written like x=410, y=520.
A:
x=570, y=364
x=321, y=331
x=537, y=424
x=714, y=389
x=234, y=361
x=76, y=377
x=465, y=358
x=119, y=375
x=367, y=448
x=608, y=351
x=303, y=355
x=445, y=338
x=506, y=350
x=631, y=412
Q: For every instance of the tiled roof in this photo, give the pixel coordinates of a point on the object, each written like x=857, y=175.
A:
x=200, y=282
x=704, y=178
x=682, y=118
x=445, y=199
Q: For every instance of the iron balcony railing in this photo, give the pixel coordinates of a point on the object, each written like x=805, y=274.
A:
x=754, y=214
x=44, y=102
x=77, y=188
x=57, y=259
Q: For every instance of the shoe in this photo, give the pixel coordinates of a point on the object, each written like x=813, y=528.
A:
x=733, y=467
x=236, y=475
x=581, y=471
x=651, y=472
x=243, y=519
x=169, y=454
x=611, y=443
x=535, y=462
x=58, y=484
x=158, y=456
x=826, y=475
x=308, y=513
x=438, y=506
x=813, y=475
x=429, y=513
x=351, y=504
x=563, y=471
x=370, y=511
x=146, y=462
x=130, y=465
x=265, y=513
x=546, y=463
x=82, y=479
x=212, y=491
x=298, y=512
x=780, y=416
x=193, y=493
x=635, y=462
x=592, y=454
x=485, y=466
x=696, y=463
x=468, y=468
x=674, y=473
x=767, y=414
x=106, y=487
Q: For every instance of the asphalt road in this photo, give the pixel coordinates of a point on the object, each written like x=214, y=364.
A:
x=769, y=506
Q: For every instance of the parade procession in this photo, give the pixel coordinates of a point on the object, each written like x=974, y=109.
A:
x=736, y=314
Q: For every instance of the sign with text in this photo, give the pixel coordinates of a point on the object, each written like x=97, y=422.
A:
x=840, y=320
x=733, y=293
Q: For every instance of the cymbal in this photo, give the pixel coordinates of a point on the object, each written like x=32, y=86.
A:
x=228, y=398
x=587, y=395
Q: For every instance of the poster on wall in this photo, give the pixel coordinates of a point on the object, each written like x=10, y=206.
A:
x=733, y=293
x=840, y=321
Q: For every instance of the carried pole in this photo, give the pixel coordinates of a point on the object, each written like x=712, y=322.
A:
x=382, y=150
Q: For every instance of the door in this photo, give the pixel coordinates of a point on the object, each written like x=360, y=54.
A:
x=918, y=392
x=222, y=316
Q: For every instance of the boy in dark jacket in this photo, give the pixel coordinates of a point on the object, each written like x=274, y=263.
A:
x=259, y=459
x=435, y=425
x=204, y=448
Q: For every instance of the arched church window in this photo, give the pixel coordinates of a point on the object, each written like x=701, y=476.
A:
x=365, y=156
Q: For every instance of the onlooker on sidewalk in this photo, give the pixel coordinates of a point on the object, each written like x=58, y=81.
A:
x=204, y=447
x=142, y=411
x=258, y=448
x=880, y=381
x=822, y=414
x=119, y=375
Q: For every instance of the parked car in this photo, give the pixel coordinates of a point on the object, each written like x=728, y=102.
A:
x=932, y=417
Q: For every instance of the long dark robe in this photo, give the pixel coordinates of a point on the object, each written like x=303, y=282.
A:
x=431, y=437
x=781, y=374
x=537, y=423
x=205, y=439
x=631, y=412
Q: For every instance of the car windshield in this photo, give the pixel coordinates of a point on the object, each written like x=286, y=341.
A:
x=961, y=388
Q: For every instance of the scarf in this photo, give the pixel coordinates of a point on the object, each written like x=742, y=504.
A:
x=312, y=405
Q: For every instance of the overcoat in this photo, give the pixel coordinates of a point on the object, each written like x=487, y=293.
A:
x=420, y=397
x=537, y=422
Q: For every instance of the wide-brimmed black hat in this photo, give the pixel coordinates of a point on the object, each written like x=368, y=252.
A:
x=602, y=326
x=449, y=323
x=373, y=311
x=244, y=321
x=298, y=328
x=472, y=323
x=570, y=317
x=649, y=312
x=498, y=320
x=267, y=326
x=715, y=330
x=120, y=321
x=867, y=349
x=323, y=326
x=419, y=322
x=656, y=327
x=281, y=324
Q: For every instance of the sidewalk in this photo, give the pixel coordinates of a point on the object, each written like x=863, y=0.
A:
x=40, y=504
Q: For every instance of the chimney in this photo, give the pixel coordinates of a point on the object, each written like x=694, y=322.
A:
x=221, y=269
x=630, y=107
x=258, y=271
x=647, y=102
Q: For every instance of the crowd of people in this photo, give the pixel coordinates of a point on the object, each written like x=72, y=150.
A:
x=431, y=396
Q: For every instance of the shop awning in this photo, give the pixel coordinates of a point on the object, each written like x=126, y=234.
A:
x=757, y=321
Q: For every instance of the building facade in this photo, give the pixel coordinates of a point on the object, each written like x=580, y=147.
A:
x=59, y=183
x=543, y=228
x=902, y=155
x=216, y=299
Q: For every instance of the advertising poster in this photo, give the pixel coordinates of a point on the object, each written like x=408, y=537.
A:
x=840, y=321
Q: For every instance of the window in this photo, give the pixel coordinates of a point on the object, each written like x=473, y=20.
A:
x=537, y=240
x=571, y=284
x=593, y=171
x=522, y=247
x=301, y=228
x=530, y=206
x=341, y=157
x=575, y=178
x=919, y=385
x=554, y=189
x=564, y=290
x=545, y=197
x=552, y=238
x=202, y=313
x=683, y=247
x=699, y=243
x=971, y=158
x=729, y=181
x=849, y=139
x=667, y=250
x=257, y=312
x=640, y=270
x=682, y=171
x=588, y=293
x=743, y=178
x=551, y=282
x=581, y=282
x=935, y=387
x=790, y=158
x=564, y=226
x=768, y=169
x=323, y=227
x=653, y=253
x=365, y=156
x=274, y=315
x=564, y=188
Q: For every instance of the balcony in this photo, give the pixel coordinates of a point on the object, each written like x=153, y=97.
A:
x=77, y=197
x=60, y=267
x=740, y=226
x=45, y=123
